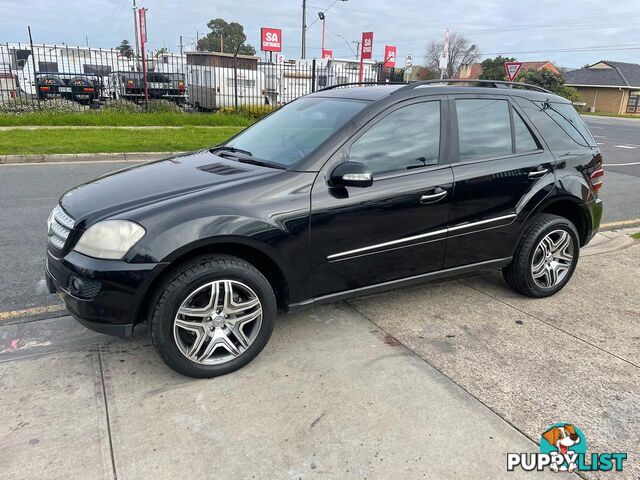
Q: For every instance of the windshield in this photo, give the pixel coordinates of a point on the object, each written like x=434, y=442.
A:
x=295, y=130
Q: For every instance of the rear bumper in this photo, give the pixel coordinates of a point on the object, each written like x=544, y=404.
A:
x=595, y=210
x=103, y=295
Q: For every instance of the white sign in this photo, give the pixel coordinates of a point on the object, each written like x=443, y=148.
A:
x=280, y=59
x=408, y=60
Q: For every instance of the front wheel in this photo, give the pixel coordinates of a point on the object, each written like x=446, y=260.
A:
x=212, y=316
x=545, y=258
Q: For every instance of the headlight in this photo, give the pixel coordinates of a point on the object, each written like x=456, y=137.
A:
x=111, y=239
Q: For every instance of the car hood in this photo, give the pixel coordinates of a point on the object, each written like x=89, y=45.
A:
x=144, y=184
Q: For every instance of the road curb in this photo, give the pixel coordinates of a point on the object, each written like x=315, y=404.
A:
x=86, y=157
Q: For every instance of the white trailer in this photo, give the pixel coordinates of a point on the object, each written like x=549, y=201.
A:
x=215, y=83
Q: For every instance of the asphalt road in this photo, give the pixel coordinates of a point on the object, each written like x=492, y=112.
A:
x=29, y=192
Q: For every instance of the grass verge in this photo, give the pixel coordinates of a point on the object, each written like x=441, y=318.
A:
x=126, y=119
x=636, y=236
x=105, y=140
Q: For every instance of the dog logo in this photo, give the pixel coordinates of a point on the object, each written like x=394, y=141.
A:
x=563, y=448
x=567, y=440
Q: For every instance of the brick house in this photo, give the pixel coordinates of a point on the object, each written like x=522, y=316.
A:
x=472, y=71
x=608, y=87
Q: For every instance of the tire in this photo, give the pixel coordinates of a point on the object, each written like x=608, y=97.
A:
x=537, y=269
x=190, y=310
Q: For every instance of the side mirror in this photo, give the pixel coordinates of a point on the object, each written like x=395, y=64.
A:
x=351, y=174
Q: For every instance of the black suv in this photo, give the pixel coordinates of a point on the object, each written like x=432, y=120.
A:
x=347, y=191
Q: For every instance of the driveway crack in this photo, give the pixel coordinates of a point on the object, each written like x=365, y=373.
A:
x=549, y=324
x=106, y=411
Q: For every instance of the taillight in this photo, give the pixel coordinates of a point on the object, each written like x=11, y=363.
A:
x=130, y=82
x=88, y=90
x=181, y=86
x=597, y=177
x=45, y=89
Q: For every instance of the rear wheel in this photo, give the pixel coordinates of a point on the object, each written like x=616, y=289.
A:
x=545, y=258
x=212, y=316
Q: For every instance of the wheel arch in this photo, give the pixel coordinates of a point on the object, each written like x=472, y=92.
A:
x=256, y=254
x=571, y=209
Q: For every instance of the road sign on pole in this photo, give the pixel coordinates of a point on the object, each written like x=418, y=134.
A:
x=512, y=69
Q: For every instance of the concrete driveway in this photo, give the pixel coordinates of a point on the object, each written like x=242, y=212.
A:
x=439, y=381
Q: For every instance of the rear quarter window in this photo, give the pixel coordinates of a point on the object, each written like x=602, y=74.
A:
x=557, y=138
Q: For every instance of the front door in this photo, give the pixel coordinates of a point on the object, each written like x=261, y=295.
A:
x=395, y=228
x=500, y=167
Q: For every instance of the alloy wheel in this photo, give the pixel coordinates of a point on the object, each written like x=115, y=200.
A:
x=217, y=322
x=552, y=259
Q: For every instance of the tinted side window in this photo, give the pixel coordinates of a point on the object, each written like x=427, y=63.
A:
x=567, y=117
x=409, y=137
x=557, y=139
x=484, y=128
x=525, y=142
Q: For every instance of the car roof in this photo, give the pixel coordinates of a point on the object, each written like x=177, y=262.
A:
x=379, y=92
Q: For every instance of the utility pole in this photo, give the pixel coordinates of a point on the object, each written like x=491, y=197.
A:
x=180, y=45
x=221, y=44
x=135, y=29
x=304, y=29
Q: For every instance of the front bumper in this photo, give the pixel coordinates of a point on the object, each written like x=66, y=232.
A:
x=103, y=295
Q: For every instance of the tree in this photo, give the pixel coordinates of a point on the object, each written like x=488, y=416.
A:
x=232, y=35
x=493, y=68
x=125, y=49
x=545, y=79
x=461, y=51
x=160, y=51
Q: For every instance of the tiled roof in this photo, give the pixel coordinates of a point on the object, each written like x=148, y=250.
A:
x=620, y=74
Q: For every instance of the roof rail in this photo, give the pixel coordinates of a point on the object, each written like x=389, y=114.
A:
x=489, y=83
x=351, y=84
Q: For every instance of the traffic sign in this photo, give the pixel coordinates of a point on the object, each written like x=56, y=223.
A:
x=408, y=60
x=512, y=69
x=327, y=53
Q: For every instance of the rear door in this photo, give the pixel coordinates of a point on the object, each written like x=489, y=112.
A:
x=395, y=228
x=500, y=168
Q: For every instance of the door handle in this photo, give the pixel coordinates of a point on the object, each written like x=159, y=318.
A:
x=538, y=173
x=433, y=198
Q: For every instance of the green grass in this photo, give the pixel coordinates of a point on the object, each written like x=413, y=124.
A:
x=110, y=140
x=107, y=118
x=636, y=235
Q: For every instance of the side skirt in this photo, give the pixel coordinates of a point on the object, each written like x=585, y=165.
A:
x=401, y=282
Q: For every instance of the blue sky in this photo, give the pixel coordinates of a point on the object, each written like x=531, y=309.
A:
x=526, y=29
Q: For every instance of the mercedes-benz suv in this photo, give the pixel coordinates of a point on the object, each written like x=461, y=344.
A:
x=347, y=191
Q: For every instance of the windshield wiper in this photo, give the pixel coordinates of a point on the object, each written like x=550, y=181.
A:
x=254, y=161
x=223, y=148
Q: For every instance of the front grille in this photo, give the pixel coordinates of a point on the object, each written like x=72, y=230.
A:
x=60, y=225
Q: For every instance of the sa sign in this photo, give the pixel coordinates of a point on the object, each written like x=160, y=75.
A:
x=367, y=46
x=390, y=56
x=271, y=39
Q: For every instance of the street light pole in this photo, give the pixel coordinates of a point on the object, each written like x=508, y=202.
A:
x=304, y=29
x=323, y=17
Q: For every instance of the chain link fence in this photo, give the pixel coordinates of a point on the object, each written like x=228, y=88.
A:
x=54, y=77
